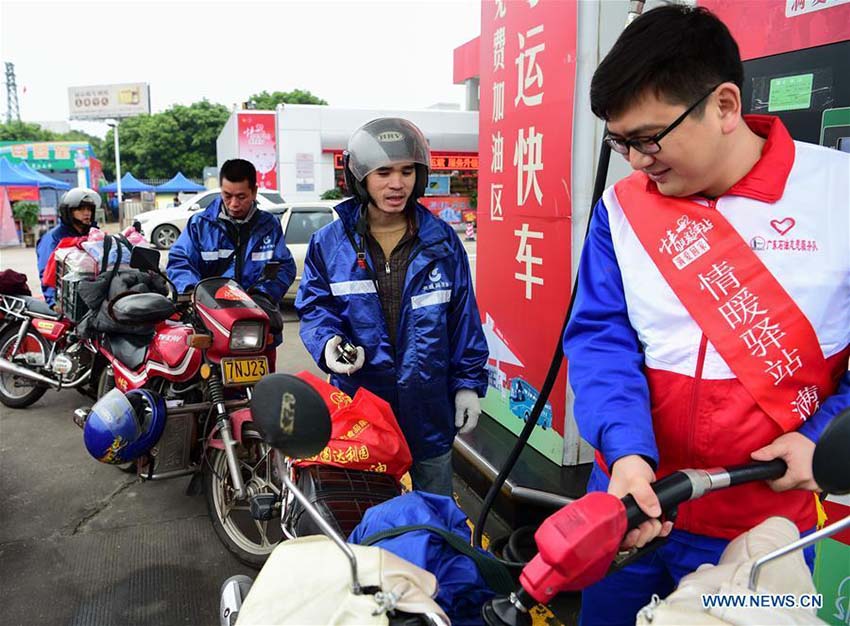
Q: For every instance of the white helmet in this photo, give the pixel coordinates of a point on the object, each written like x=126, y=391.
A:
x=383, y=142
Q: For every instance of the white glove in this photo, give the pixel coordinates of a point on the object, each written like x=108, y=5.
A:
x=341, y=367
x=467, y=410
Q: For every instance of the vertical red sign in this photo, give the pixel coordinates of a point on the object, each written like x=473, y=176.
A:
x=527, y=82
x=95, y=173
x=258, y=144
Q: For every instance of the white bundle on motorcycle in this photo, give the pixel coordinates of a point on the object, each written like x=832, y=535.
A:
x=787, y=575
x=72, y=267
x=308, y=581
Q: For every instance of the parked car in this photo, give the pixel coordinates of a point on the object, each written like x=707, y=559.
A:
x=299, y=221
x=162, y=226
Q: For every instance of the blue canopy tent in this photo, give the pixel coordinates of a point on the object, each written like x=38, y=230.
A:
x=179, y=183
x=129, y=184
x=44, y=181
x=11, y=177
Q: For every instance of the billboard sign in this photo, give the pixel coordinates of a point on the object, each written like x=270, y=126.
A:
x=99, y=102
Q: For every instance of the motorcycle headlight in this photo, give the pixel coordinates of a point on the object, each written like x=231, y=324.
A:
x=247, y=335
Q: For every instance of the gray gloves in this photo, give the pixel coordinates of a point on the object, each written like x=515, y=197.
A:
x=467, y=410
x=336, y=364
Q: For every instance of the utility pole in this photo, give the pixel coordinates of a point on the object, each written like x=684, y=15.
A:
x=13, y=111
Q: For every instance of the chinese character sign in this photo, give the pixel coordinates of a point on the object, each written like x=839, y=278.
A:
x=527, y=66
x=258, y=144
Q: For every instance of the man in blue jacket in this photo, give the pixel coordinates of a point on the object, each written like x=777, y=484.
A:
x=233, y=238
x=76, y=218
x=392, y=280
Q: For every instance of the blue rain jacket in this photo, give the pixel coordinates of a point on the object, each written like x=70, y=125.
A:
x=440, y=346
x=46, y=245
x=461, y=590
x=205, y=248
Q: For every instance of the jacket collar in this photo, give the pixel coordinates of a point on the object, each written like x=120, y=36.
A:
x=766, y=180
x=428, y=229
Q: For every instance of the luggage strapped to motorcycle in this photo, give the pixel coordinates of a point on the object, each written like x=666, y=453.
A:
x=496, y=575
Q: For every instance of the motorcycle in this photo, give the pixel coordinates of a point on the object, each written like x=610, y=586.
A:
x=39, y=350
x=320, y=579
x=201, y=366
x=578, y=545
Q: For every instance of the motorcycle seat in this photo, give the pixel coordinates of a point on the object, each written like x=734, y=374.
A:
x=131, y=350
x=39, y=308
x=141, y=308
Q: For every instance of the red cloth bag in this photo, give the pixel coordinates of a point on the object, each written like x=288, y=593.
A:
x=364, y=433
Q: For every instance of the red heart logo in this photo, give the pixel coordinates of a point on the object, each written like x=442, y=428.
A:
x=783, y=226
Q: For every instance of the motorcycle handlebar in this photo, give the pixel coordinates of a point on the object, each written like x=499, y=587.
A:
x=685, y=485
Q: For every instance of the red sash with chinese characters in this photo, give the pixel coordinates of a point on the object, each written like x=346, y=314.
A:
x=747, y=315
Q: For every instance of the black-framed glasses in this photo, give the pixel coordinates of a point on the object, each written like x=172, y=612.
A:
x=650, y=145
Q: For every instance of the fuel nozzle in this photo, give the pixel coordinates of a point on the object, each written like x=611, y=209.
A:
x=512, y=610
x=576, y=546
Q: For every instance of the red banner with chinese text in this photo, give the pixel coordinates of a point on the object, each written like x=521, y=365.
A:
x=258, y=144
x=528, y=54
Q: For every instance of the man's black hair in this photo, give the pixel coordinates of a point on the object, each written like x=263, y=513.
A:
x=237, y=170
x=676, y=52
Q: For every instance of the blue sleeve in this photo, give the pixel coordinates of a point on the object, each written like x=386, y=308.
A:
x=468, y=347
x=832, y=406
x=184, y=260
x=43, y=250
x=276, y=288
x=605, y=361
x=316, y=307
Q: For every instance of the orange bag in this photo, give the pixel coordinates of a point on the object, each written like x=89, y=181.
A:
x=364, y=433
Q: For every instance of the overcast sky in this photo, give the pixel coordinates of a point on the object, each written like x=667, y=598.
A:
x=390, y=53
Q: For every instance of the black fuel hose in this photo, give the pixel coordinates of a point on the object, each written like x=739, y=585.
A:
x=552, y=374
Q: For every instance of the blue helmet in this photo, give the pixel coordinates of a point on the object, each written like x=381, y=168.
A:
x=122, y=427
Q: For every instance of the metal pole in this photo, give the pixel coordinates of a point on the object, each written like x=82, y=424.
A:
x=118, y=177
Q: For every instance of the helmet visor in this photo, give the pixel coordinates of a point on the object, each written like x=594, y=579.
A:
x=385, y=142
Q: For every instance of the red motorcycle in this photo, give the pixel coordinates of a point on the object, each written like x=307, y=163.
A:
x=202, y=367
x=39, y=350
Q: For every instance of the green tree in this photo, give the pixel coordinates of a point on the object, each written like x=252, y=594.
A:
x=267, y=101
x=334, y=193
x=181, y=138
x=23, y=131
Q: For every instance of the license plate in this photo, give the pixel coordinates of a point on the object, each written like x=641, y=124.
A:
x=243, y=371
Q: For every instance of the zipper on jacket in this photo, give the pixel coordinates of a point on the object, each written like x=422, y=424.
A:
x=692, y=413
x=387, y=266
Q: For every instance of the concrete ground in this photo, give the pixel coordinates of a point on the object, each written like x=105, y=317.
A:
x=86, y=544
x=82, y=543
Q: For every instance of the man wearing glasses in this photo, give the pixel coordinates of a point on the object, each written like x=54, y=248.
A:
x=712, y=317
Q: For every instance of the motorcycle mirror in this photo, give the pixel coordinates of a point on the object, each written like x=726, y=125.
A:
x=271, y=269
x=142, y=258
x=291, y=414
x=831, y=462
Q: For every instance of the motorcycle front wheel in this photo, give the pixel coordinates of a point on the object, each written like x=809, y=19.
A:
x=18, y=392
x=249, y=540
